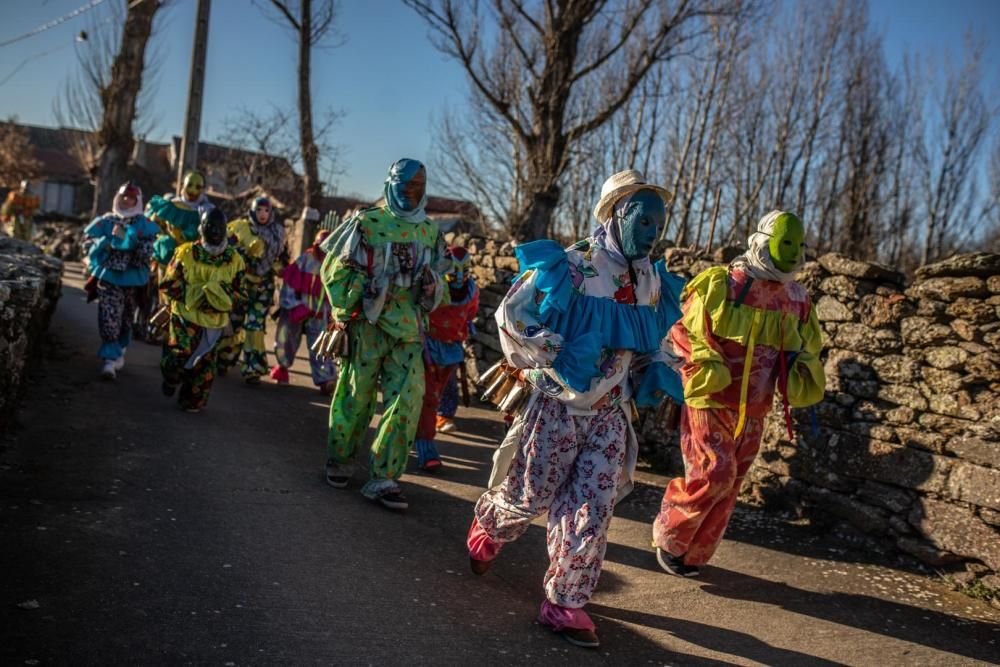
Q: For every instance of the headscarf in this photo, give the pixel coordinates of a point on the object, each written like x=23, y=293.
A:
x=756, y=261
x=128, y=188
x=273, y=234
x=400, y=173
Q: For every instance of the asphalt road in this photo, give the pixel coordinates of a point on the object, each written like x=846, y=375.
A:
x=134, y=533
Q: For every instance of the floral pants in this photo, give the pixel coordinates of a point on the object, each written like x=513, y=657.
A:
x=377, y=361
x=568, y=466
x=696, y=508
x=288, y=337
x=115, y=310
x=195, y=382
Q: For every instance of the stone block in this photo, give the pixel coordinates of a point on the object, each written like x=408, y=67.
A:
x=975, y=449
x=896, y=368
x=861, y=515
x=840, y=265
x=901, y=394
x=937, y=310
x=956, y=529
x=828, y=309
x=892, y=464
x=844, y=288
x=926, y=552
x=975, y=484
x=947, y=357
x=507, y=263
x=981, y=264
x=859, y=338
x=955, y=404
x=941, y=381
x=874, y=430
x=861, y=388
x=984, y=367
x=921, y=439
x=883, y=495
x=948, y=288
x=923, y=332
x=964, y=330
x=993, y=283
x=973, y=311
x=878, y=311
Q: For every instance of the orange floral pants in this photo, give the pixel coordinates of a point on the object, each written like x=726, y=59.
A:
x=696, y=508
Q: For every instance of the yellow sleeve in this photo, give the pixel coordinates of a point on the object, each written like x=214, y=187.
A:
x=806, y=379
x=707, y=295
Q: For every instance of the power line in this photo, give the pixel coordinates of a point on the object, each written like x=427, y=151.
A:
x=53, y=23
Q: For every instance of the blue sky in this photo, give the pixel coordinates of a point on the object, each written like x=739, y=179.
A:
x=387, y=79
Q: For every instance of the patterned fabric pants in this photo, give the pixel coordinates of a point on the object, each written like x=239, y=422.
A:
x=288, y=337
x=195, y=382
x=568, y=466
x=696, y=508
x=449, y=398
x=115, y=310
x=260, y=297
x=377, y=361
x=436, y=377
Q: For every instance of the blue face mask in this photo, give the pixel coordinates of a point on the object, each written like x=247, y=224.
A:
x=406, y=185
x=640, y=223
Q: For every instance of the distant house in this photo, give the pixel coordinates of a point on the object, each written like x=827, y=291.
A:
x=64, y=182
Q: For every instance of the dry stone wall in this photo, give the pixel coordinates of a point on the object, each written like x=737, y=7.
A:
x=903, y=455
x=30, y=286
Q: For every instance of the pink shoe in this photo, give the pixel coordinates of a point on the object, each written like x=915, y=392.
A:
x=482, y=549
x=279, y=374
x=573, y=624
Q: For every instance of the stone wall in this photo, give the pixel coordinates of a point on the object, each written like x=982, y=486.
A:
x=903, y=455
x=30, y=286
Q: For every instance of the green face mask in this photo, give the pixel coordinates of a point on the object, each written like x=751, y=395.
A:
x=787, y=242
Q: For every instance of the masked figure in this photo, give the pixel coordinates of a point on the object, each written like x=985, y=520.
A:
x=178, y=217
x=382, y=275
x=450, y=326
x=119, y=246
x=304, y=309
x=19, y=211
x=746, y=328
x=585, y=326
x=260, y=238
x=203, y=286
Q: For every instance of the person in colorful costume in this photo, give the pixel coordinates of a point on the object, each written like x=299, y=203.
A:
x=586, y=325
x=304, y=308
x=19, y=211
x=203, y=286
x=747, y=327
x=260, y=238
x=382, y=275
x=178, y=217
x=450, y=326
x=120, y=244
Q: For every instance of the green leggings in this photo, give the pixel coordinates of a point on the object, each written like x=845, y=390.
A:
x=377, y=361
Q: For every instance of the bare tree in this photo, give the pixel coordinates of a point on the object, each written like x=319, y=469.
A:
x=557, y=71
x=312, y=24
x=105, y=96
x=17, y=156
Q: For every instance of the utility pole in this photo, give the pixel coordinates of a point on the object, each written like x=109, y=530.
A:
x=188, y=157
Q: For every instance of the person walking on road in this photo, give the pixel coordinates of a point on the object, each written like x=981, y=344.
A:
x=747, y=328
x=382, y=273
x=584, y=328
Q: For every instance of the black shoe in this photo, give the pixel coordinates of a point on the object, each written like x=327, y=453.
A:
x=253, y=380
x=675, y=564
x=394, y=500
x=168, y=389
x=336, y=476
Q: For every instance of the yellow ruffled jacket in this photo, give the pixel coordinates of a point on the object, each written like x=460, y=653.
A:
x=740, y=337
x=208, y=288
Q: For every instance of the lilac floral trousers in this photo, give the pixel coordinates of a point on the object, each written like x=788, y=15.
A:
x=568, y=466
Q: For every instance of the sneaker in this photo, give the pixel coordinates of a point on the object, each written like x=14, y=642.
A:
x=480, y=567
x=433, y=465
x=120, y=362
x=279, y=374
x=445, y=424
x=675, y=564
x=108, y=370
x=584, y=638
x=328, y=387
x=193, y=411
x=253, y=380
x=336, y=475
x=394, y=500
x=168, y=389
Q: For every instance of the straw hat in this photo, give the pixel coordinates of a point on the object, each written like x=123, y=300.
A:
x=621, y=184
